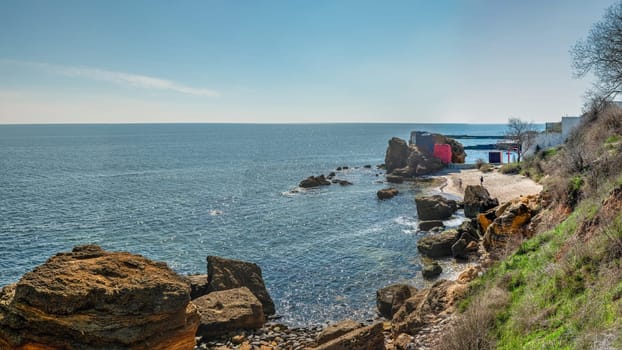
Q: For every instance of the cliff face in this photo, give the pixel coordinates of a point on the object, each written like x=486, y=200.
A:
x=562, y=288
x=91, y=298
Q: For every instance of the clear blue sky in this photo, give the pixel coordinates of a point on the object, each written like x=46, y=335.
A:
x=473, y=61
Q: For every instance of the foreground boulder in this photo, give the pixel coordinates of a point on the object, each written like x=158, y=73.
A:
x=314, y=181
x=93, y=299
x=427, y=306
x=226, y=274
x=387, y=193
x=438, y=245
x=227, y=310
x=435, y=207
x=431, y=269
x=389, y=299
x=477, y=200
x=363, y=338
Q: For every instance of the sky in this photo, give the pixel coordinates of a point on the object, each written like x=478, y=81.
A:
x=230, y=61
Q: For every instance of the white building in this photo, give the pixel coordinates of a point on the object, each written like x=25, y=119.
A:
x=553, y=136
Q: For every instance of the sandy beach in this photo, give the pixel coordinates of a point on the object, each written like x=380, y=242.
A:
x=504, y=187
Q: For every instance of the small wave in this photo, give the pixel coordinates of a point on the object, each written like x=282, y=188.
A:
x=454, y=222
x=406, y=221
x=292, y=192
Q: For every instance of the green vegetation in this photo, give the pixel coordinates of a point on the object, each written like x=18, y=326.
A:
x=561, y=289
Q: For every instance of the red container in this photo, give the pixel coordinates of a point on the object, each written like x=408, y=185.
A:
x=442, y=151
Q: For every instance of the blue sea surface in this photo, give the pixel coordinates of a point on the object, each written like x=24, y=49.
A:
x=180, y=192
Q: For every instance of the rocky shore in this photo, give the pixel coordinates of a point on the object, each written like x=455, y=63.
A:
x=95, y=299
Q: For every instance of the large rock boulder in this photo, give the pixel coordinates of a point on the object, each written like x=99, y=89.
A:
x=477, y=200
x=389, y=299
x=435, y=207
x=438, y=245
x=406, y=161
x=427, y=306
x=457, y=150
x=422, y=163
x=396, y=155
x=93, y=299
x=387, y=193
x=227, y=310
x=364, y=338
x=226, y=274
x=314, y=181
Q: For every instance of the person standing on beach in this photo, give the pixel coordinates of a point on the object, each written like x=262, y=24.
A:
x=481, y=180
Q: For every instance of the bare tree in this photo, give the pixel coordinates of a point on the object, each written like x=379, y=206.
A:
x=521, y=135
x=601, y=54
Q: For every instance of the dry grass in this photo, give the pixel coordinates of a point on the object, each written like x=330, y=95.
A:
x=471, y=329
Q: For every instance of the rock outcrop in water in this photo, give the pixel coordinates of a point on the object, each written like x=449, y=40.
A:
x=93, y=299
x=435, y=207
x=406, y=161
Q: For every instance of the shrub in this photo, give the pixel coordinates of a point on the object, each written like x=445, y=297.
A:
x=512, y=168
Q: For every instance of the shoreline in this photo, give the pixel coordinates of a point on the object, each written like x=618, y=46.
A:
x=501, y=186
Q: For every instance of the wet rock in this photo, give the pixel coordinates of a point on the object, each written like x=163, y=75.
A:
x=389, y=299
x=387, y=193
x=435, y=207
x=394, y=179
x=226, y=274
x=459, y=249
x=430, y=224
x=367, y=166
x=364, y=338
x=314, y=181
x=90, y=298
x=344, y=183
x=227, y=310
x=438, y=245
x=477, y=200
x=431, y=269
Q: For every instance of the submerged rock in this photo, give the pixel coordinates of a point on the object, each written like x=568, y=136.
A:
x=387, y=193
x=226, y=274
x=314, y=181
x=430, y=224
x=93, y=299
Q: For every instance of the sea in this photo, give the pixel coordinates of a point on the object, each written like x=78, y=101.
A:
x=180, y=192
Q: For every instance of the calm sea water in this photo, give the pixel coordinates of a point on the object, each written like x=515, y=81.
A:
x=180, y=192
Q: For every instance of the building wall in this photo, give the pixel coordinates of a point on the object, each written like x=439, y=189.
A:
x=568, y=124
x=544, y=141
